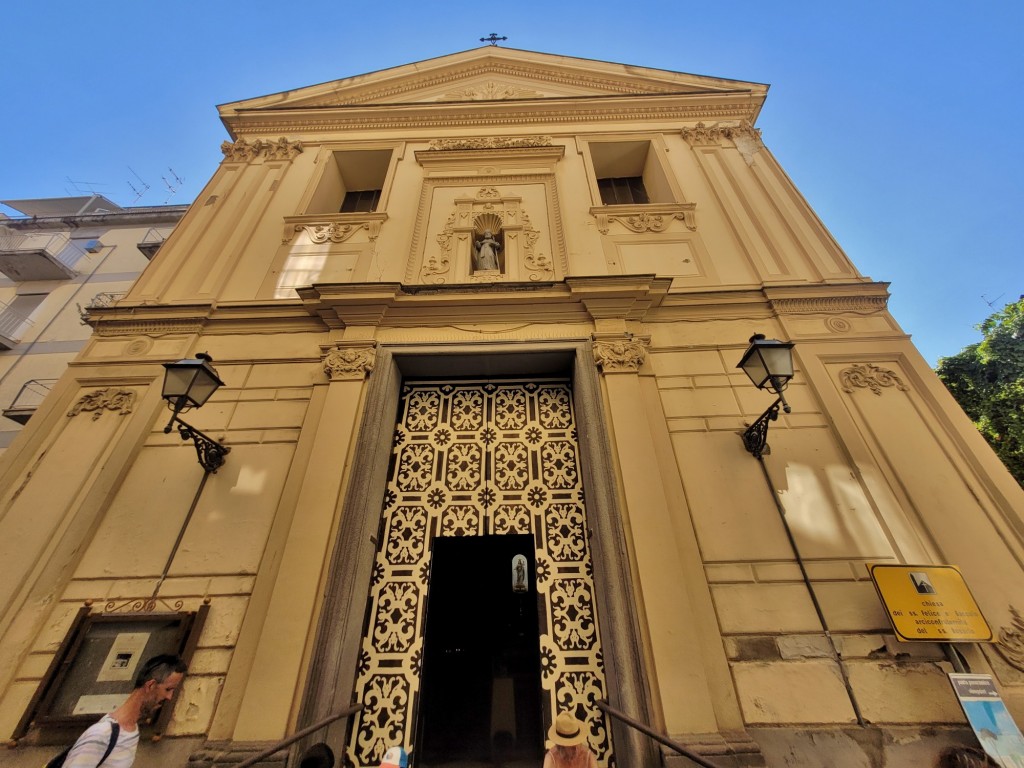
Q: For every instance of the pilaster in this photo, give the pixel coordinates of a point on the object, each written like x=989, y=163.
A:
x=657, y=537
x=278, y=665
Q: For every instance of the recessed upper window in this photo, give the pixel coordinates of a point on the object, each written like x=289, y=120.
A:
x=623, y=190
x=351, y=182
x=360, y=201
x=629, y=173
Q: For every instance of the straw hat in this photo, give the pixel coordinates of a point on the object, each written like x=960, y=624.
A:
x=566, y=731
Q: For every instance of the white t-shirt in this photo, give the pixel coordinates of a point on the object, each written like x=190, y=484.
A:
x=94, y=742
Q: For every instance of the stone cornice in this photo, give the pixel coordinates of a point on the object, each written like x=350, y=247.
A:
x=131, y=217
x=458, y=76
x=577, y=300
x=863, y=297
x=127, y=319
x=740, y=107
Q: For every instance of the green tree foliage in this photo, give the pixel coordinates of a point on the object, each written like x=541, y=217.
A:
x=987, y=379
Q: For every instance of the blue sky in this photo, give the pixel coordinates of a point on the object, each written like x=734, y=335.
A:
x=899, y=121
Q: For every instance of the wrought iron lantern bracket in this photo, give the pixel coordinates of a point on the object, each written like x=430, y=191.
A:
x=755, y=437
x=211, y=453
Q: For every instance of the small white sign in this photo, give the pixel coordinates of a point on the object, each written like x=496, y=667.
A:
x=988, y=716
x=123, y=658
x=98, y=704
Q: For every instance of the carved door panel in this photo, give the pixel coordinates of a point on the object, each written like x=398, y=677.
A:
x=478, y=459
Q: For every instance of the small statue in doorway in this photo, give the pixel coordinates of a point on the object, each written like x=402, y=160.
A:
x=485, y=252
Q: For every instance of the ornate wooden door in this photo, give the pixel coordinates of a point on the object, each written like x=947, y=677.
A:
x=473, y=459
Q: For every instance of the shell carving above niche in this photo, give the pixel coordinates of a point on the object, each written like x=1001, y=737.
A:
x=487, y=238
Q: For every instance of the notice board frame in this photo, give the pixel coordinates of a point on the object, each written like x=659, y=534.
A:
x=91, y=636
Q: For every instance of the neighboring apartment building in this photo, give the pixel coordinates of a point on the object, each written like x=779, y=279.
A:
x=477, y=320
x=62, y=256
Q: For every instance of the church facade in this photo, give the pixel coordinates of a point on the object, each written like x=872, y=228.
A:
x=478, y=321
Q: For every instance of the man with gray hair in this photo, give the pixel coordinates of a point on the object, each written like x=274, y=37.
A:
x=113, y=740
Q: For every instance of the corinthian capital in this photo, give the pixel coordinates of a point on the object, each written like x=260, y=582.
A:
x=348, y=361
x=242, y=151
x=621, y=354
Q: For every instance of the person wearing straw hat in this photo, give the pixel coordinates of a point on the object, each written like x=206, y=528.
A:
x=568, y=743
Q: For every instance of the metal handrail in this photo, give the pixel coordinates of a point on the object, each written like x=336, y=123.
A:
x=299, y=735
x=604, y=706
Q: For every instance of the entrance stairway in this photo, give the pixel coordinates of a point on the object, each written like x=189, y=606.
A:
x=603, y=705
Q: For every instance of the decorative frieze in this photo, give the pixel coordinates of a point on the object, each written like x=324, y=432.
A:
x=491, y=142
x=348, y=361
x=871, y=377
x=490, y=91
x=109, y=399
x=105, y=327
x=242, y=151
x=624, y=354
x=830, y=304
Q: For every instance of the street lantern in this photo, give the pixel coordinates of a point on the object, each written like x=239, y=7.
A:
x=769, y=365
x=189, y=384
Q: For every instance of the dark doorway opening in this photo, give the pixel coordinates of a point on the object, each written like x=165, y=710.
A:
x=481, y=698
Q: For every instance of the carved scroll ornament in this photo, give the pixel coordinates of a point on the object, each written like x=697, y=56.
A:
x=1010, y=644
x=649, y=222
x=623, y=355
x=242, y=151
x=871, y=377
x=343, y=363
x=335, y=231
x=110, y=399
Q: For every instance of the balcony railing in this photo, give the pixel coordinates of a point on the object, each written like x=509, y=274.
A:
x=28, y=399
x=106, y=299
x=12, y=326
x=38, y=256
x=152, y=241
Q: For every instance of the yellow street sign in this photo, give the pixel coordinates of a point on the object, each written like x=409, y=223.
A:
x=929, y=602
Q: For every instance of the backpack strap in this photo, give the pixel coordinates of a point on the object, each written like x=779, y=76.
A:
x=115, y=731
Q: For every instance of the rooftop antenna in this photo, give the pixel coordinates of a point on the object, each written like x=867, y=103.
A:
x=172, y=188
x=492, y=38
x=81, y=187
x=992, y=304
x=138, y=192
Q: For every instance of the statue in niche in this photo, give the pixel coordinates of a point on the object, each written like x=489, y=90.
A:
x=485, y=253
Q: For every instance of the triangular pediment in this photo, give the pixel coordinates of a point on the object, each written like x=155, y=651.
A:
x=491, y=74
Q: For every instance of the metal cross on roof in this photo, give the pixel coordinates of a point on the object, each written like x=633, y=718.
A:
x=492, y=39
